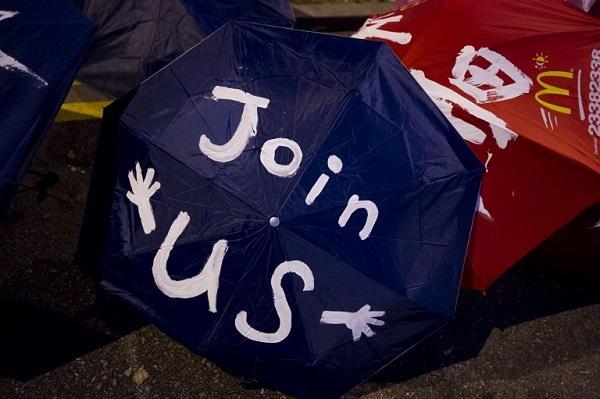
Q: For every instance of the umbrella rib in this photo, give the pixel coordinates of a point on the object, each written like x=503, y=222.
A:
x=191, y=240
x=223, y=312
x=433, y=243
x=293, y=186
x=403, y=136
x=301, y=238
x=545, y=146
x=351, y=341
x=304, y=327
x=150, y=141
x=441, y=179
x=433, y=329
x=346, y=100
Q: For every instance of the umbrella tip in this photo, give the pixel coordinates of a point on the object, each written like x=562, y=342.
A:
x=274, y=221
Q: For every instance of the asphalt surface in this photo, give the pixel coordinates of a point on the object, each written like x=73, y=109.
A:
x=535, y=333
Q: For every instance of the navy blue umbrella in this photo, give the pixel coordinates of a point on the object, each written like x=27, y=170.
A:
x=289, y=204
x=41, y=47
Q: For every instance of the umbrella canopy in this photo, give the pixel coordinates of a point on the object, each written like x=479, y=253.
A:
x=289, y=204
x=520, y=80
x=40, y=51
x=138, y=37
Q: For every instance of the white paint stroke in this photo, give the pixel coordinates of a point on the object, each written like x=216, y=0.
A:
x=358, y=322
x=555, y=121
x=316, y=189
x=206, y=281
x=544, y=117
x=579, y=97
x=245, y=129
x=282, y=307
x=468, y=132
x=550, y=121
x=444, y=98
x=267, y=157
x=488, y=77
x=142, y=190
x=335, y=165
x=482, y=210
x=372, y=29
x=585, y=5
x=354, y=204
x=12, y=65
x=7, y=14
x=487, y=161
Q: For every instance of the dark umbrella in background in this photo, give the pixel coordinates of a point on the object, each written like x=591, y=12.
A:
x=212, y=14
x=135, y=38
x=41, y=48
x=289, y=204
x=138, y=37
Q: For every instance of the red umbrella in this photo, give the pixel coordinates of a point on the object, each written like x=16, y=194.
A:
x=520, y=80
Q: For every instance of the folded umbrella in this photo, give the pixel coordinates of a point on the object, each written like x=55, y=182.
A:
x=289, y=204
x=40, y=51
x=520, y=81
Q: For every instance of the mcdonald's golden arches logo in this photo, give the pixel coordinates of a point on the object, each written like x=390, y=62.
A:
x=549, y=89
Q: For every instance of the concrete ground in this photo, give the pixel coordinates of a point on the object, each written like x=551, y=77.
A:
x=536, y=332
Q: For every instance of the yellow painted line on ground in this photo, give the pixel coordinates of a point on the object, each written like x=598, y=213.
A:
x=78, y=111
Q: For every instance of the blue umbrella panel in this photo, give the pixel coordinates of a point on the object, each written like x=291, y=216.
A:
x=290, y=205
x=41, y=48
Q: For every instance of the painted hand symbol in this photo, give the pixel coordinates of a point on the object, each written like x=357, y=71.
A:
x=358, y=322
x=141, y=191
